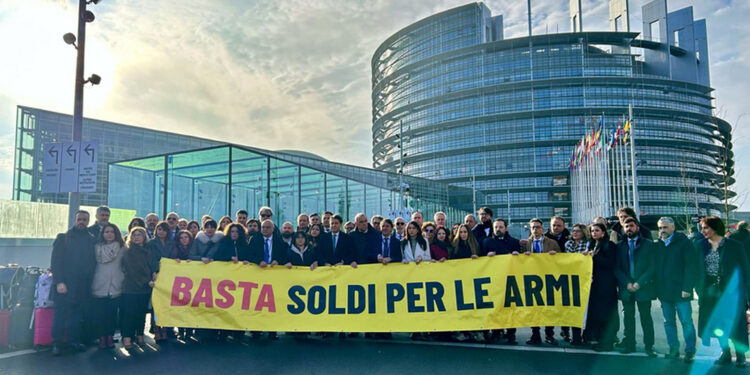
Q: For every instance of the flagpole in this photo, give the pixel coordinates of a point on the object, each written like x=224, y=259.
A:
x=636, y=206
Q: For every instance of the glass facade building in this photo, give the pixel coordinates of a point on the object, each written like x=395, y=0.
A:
x=220, y=180
x=454, y=102
x=35, y=127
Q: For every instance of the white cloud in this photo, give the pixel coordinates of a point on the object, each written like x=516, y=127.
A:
x=288, y=74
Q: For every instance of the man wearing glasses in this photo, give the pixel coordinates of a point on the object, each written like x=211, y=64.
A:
x=172, y=219
x=400, y=228
x=265, y=213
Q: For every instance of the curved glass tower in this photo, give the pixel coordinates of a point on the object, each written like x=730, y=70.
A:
x=453, y=101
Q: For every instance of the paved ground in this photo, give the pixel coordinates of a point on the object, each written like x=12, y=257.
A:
x=334, y=356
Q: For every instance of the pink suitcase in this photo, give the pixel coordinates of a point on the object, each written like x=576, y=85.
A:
x=4, y=326
x=43, y=326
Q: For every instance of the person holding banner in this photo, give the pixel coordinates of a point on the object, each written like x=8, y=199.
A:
x=206, y=242
x=160, y=247
x=300, y=253
x=539, y=243
x=233, y=247
x=464, y=244
x=414, y=247
x=268, y=249
x=602, y=319
x=136, y=287
x=320, y=242
x=440, y=248
x=391, y=249
x=635, y=272
x=343, y=248
x=500, y=241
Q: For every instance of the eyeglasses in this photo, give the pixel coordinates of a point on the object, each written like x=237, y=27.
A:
x=429, y=230
x=664, y=227
x=400, y=224
x=172, y=219
x=536, y=227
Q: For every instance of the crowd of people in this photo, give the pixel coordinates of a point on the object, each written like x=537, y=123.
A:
x=103, y=280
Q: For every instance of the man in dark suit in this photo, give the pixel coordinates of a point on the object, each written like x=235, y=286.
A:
x=635, y=272
x=390, y=246
x=343, y=248
x=268, y=249
x=367, y=240
x=343, y=253
x=500, y=241
x=677, y=272
x=483, y=229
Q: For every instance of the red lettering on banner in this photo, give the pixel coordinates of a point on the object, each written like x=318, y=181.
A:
x=222, y=288
x=181, y=291
x=266, y=299
x=203, y=294
x=247, y=290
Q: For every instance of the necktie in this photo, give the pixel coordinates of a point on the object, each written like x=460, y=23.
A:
x=631, y=251
x=385, y=247
x=267, y=251
x=335, y=239
x=537, y=246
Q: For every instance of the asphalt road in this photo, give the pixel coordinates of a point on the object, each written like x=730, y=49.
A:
x=334, y=356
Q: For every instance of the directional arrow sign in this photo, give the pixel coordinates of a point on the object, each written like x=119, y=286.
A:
x=70, y=163
x=87, y=167
x=51, y=164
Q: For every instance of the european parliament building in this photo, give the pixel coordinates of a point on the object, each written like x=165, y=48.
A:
x=454, y=101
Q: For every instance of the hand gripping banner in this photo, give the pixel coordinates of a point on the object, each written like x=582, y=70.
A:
x=468, y=294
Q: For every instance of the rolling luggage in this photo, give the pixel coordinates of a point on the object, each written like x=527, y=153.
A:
x=4, y=325
x=43, y=327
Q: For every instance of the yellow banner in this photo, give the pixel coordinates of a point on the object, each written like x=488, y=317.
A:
x=467, y=294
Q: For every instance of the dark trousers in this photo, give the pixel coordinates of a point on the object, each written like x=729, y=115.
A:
x=104, y=319
x=549, y=332
x=68, y=319
x=133, y=309
x=647, y=323
x=602, y=329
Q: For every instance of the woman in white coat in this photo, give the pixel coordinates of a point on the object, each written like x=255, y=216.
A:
x=414, y=247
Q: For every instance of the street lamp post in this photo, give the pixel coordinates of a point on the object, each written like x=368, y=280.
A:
x=84, y=16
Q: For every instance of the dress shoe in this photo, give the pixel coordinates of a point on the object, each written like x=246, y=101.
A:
x=741, y=362
x=689, y=357
x=551, y=341
x=724, y=359
x=673, y=353
x=651, y=353
x=536, y=341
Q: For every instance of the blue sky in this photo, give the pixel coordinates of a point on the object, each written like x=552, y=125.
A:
x=279, y=74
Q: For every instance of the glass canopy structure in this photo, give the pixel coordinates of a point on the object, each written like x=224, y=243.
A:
x=220, y=180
